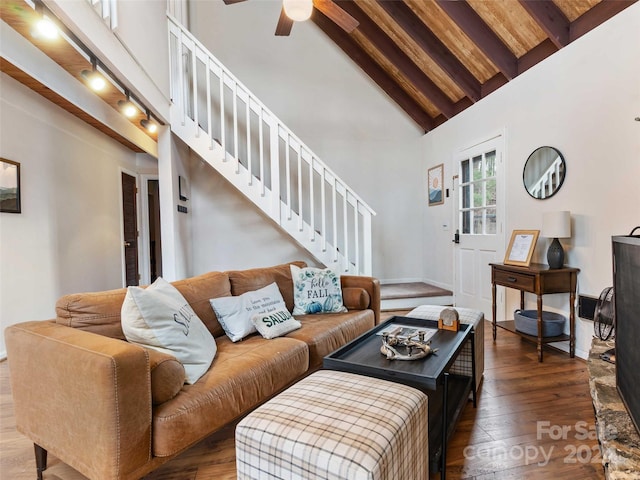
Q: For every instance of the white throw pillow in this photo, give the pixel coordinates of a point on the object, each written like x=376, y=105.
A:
x=159, y=317
x=235, y=313
x=316, y=290
x=275, y=324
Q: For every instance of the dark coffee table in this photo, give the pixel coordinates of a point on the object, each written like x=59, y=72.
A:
x=448, y=392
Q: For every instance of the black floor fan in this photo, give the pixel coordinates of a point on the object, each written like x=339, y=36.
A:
x=604, y=321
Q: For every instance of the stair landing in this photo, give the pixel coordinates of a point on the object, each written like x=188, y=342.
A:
x=397, y=296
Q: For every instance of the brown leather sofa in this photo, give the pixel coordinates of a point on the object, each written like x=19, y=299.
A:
x=115, y=410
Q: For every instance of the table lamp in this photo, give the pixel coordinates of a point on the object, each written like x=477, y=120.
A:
x=556, y=225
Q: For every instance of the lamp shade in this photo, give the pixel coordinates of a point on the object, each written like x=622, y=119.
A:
x=556, y=224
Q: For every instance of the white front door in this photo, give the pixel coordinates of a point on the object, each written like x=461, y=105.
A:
x=479, y=194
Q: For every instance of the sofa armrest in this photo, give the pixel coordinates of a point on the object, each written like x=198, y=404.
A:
x=372, y=287
x=84, y=397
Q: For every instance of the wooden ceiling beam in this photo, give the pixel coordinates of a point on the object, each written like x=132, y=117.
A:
x=479, y=32
x=432, y=46
x=536, y=55
x=373, y=70
x=551, y=19
x=593, y=17
x=380, y=40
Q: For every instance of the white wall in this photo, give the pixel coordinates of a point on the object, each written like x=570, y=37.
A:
x=583, y=101
x=229, y=235
x=335, y=109
x=67, y=238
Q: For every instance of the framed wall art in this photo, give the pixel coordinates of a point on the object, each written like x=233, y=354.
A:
x=9, y=186
x=434, y=180
x=521, y=247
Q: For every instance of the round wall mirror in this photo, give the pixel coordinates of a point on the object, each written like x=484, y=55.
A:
x=544, y=172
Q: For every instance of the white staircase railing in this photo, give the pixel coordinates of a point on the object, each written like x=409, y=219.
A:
x=548, y=180
x=222, y=121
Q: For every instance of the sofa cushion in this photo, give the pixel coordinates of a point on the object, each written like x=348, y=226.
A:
x=167, y=376
x=355, y=298
x=96, y=312
x=247, y=280
x=275, y=324
x=235, y=313
x=241, y=376
x=161, y=318
x=316, y=290
x=326, y=333
x=199, y=290
x=99, y=312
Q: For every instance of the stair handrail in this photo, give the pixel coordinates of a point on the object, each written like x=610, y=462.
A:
x=292, y=141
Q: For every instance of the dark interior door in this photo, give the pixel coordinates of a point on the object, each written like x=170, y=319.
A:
x=129, y=215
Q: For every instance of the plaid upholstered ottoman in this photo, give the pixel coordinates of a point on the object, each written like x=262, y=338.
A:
x=336, y=425
x=462, y=365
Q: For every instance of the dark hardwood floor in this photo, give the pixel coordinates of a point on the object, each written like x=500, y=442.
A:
x=533, y=421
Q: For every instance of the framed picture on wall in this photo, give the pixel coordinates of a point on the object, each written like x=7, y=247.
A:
x=9, y=186
x=434, y=180
x=521, y=247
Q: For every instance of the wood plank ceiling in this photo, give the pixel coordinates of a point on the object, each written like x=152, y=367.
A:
x=435, y=58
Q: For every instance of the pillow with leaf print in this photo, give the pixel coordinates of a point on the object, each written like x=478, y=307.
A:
x=316, y=290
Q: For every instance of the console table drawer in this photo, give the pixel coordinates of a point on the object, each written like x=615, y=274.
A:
x=516, y=280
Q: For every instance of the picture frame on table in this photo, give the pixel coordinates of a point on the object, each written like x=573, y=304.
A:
x=434, y=182
x=9, y=186
x=521, y=247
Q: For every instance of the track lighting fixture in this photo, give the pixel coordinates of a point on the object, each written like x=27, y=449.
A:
x=149, y=124
x=49, y=26
x=95, y=80
x=127, y=107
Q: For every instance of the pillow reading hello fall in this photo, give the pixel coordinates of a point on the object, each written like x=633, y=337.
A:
x=316, y=290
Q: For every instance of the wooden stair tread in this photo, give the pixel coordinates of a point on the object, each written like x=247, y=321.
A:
x=392, y=291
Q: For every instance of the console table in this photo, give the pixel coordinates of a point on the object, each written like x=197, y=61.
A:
x=538, y=279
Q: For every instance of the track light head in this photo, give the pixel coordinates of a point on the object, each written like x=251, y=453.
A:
x=127, y=107
x=149, y=125
x=93, y=78
x=45, y=29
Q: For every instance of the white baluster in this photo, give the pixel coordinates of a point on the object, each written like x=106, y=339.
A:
x=345, y=225
x=248, y=110
x=288, y=174
x=209, y=120
x=299, y=189
x=312, y=215
x=194, y=75
x=323, y=206
x=235, y=123
x=261, y=133
x=223, y=126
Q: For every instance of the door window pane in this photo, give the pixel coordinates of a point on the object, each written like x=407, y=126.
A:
x=477, y=168
x=490, y=223
x=464, y=167
x=478, y=194
x=490, y=159
x=466, y=196
x=490, y=194
x=466, y=221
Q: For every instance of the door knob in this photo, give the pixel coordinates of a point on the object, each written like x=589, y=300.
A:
x=127, y=244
